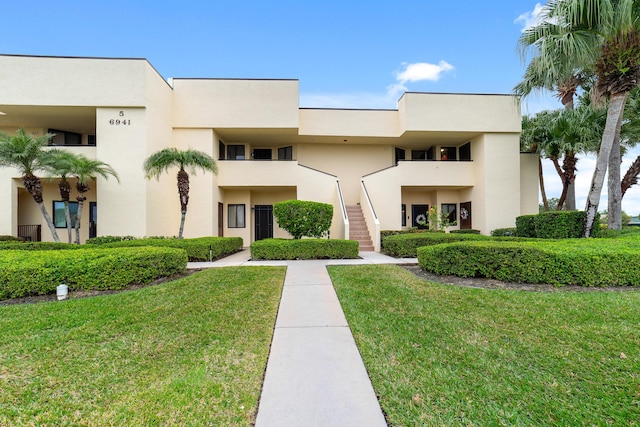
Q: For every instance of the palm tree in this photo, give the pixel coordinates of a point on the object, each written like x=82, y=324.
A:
x=609, y=31
x=575, y=131
x=61, y=163
x=533, y=139
x=84, y=170
x=161, y=161
x=27, y=154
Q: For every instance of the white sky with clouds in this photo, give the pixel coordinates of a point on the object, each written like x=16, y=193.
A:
x=345, y=53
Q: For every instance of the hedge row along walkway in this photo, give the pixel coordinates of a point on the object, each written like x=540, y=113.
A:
x=315, y=375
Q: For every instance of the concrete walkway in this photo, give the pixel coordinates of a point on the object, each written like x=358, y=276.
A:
x=315, y=375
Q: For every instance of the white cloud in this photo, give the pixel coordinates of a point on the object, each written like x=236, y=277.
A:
x=422, y=71
x=531, y=18
x=409, y=73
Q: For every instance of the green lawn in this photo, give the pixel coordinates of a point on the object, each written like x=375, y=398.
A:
x=189, y=352
x=444, y=355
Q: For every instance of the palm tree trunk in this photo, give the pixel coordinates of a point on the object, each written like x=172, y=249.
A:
x=614, y=190
x=563, y=179
x=33, y=185
x=80, y=198
x=183, y=191
x=631, y=176
x=67, y=217
x=611, y=130
x=65, y=191
x=571, y=195
x=49, y=222
x=543, y=192
x=182, y=218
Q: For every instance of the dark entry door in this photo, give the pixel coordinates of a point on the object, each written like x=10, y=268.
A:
x=264, y=222
x=419, y=216
x=465, y=216
x=93, y=219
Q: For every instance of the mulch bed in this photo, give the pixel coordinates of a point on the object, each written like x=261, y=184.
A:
x=481, y=283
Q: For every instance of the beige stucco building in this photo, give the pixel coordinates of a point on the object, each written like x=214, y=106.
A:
x=457, y=152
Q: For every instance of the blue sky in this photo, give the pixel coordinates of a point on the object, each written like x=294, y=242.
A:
x=346, y=53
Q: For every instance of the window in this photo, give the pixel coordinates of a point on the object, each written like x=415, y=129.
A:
x=261, y=154
x=235, y=152
x=400, y=154
x=404, y=215
x=448, y=153
x=285, y=153
x=449, y=209
x=465, y=152
x=65, y=138
x=422, y=154
x=236, y=216
x=59, y=221
x=91, y=140
x=221, y=149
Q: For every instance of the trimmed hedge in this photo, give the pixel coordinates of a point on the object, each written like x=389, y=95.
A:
x=568, y=262
x=465, y=231
x=197, y=249
x=25, y=273
x=504, y=232
x=281, y=249
x=38, y=246
x=405, y=245
x=553, y=225
x=526, y=226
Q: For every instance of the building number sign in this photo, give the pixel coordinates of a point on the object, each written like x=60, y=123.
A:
x=121, y=121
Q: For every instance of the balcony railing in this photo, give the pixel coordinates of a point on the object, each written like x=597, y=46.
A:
x=32, y=233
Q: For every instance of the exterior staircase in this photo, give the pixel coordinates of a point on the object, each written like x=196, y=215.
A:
x=358, y=228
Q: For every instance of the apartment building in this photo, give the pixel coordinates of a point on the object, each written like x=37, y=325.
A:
x=457, y=152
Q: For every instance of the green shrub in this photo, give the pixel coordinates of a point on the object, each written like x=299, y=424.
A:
x=101, y=240
x=505, y=232
x=40, y=272
x=465, y=231
x=197, y=249
x=526, y=226
x=304, y=218
x=38, y=246
x=304, y=249
x=568, y=262
x=405, y=245
x=5, y=238
x=553, y=225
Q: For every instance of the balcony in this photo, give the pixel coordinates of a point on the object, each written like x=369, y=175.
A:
x=436, y=173
x=258, y=173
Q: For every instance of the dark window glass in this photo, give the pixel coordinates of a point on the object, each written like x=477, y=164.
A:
x=285, y=153
x=236, y=214
x=448, y=153
x=449, y=209
x=400, y=154
x=465, y=151
x=418, y=154
x=261, y=154
x=65, y=138
x=91, y=139
x=59, y=219
x=221, y=150
x=235, y=152
x=404, y=215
